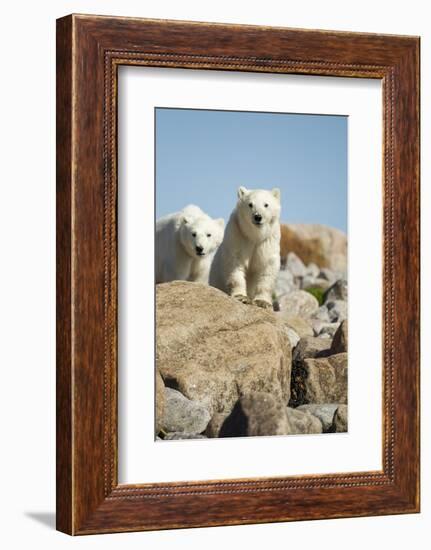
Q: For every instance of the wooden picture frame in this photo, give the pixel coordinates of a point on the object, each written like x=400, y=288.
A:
x=89, y=51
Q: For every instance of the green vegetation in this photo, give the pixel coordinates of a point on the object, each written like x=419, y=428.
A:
x=317, y=292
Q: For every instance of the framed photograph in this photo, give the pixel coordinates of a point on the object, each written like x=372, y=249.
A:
x=237, y=274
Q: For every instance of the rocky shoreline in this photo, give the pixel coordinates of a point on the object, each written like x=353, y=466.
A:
x=225, y=369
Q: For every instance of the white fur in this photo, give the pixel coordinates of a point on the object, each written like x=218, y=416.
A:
x=248, y=260
x=177, y=236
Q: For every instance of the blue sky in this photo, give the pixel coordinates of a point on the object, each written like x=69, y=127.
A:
x=202, y=157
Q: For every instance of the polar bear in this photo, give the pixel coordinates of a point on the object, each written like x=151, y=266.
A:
x=185, y=245
x=248, y=261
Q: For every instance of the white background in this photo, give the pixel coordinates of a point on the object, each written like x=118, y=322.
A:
x=27, y=122
x=141, y=459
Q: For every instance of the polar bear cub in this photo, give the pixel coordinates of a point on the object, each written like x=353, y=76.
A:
x=248, y=261
x=185, y=245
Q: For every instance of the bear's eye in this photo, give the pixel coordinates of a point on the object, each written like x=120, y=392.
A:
x=193, y=234
x=265, y=205
x=250, y=204
x=208, y=234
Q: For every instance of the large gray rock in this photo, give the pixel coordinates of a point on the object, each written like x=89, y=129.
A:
x=298, y=304
x=214, y=349
x=340, y=341
x=160, y=402
x=340, y=419
x=337, y=311
x=324, y=412
x=302, y=422
x=184, y=415
x=325, y=379
x=338, y=291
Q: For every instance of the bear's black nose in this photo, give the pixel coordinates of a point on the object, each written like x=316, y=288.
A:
x=199, y=249
x=257, y=218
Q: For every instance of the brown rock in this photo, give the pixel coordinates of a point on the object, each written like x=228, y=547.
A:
x=340, y=419
x=302, y=422
x=214, y=349
x=299, y=325
x=326, y=379
x=340, y=341
x=320, y=244
x=160, y=402
x=298, y=303
x=264, y=414
x=310, y=347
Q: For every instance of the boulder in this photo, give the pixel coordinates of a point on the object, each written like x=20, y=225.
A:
x=319, y=244
x=337, y=310
x=302, y=327
x=325, y=379
x=298, y=303
x=183, y=415
x=285, y=283
x=160, y=402
x=338, y=291
x=310, y=347
x=214, y=349
x=257, y=414
x=302, y=422
x=340, y=419
x=324, y=412
x=340, y=341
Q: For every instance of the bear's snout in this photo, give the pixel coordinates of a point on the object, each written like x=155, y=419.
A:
x=199, y=250
x=257, y=218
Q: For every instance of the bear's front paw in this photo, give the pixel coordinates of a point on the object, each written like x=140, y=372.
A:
x=263, y=304
x=243, y=299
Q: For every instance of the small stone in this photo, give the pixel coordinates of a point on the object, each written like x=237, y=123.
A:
x=299, y=304
x=302, y=422
x=181, y=435
x=337, y=310
x=325, y=330
x=340, y=419
x=310, y=347
x=338, y=291
x=183, y=415
x=312, y=270
x=324, y=412
x=326, y=379
x=322, y=314
x=295, y=265
x=340, y=341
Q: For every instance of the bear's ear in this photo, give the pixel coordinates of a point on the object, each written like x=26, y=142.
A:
x=220, y=223
x=242, y=192
x=186, y=220
x=276, y=192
